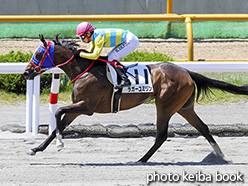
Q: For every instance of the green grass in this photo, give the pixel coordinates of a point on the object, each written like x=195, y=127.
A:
x=161, y=29
x=146, y=56
x=220, y=97
x=7, y=98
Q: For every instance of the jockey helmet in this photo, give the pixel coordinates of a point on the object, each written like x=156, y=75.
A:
x=84, y=28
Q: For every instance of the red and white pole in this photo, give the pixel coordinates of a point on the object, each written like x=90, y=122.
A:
x=53, y=102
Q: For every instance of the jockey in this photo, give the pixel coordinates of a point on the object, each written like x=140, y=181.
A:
x=123, y=41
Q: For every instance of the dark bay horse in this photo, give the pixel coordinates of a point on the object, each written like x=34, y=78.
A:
x=174, y=92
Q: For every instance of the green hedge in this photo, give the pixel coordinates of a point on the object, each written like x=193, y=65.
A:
x=137, y=56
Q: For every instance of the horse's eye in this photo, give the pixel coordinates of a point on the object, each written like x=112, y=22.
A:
x=38, y=55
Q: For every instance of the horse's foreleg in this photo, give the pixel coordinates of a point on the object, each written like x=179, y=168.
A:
x=73, y=110
x=59, y=129
x=66, y=120
x=190, y=115
x=43, y=145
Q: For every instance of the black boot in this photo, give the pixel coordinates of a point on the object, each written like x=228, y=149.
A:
x=125, y=82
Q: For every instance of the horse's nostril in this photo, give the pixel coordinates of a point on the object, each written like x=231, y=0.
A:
x=25, y=73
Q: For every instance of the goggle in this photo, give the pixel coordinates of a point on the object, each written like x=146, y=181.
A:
x=83, y=36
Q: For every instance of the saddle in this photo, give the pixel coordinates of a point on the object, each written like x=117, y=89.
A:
x=140, y=78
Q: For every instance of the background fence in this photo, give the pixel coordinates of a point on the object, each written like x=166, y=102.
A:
x=187, y=18
x=93, y=7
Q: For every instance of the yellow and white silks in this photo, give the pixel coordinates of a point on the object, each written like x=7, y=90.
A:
x=123, y=41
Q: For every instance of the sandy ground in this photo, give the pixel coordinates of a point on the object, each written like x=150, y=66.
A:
x=177, y=48
x=105, y=161
x=146, y=113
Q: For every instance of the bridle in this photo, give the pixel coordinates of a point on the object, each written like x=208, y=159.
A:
x=47, y=54
x=44, y=57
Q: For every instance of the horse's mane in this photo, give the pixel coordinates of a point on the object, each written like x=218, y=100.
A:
x=70, y=45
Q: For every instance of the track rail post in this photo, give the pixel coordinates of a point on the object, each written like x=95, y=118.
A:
x=29, y=104
x=169, y=6
x=188, y=23
x=32, y=105
x=36, y=105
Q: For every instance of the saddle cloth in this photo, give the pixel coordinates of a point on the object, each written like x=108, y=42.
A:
x=139, y=76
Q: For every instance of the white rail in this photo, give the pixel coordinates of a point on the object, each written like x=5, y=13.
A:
x=18, y=68
x=232, y=66
x=33, y=86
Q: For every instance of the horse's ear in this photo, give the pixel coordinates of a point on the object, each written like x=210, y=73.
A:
x=56, y=40
x=43, y=40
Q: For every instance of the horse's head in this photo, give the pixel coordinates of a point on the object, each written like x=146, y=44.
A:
x=42, y=59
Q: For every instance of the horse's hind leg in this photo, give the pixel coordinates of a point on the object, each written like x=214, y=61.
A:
x=162, y=128
x=190, y=115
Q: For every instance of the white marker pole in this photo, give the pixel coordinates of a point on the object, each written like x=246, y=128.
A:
x=36, y=105
x=53, y=102
x=29, y=104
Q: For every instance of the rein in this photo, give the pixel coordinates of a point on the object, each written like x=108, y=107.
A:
x=83, y=72
x=60, y=65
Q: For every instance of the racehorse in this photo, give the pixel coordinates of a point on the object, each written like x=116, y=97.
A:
x=174, y=91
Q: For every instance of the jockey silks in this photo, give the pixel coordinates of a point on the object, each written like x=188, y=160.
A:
x=104, y=38
x=111, y=38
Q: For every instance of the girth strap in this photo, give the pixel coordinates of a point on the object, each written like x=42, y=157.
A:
x=116, y=100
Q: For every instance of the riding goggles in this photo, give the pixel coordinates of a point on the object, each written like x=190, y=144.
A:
x=83, y=36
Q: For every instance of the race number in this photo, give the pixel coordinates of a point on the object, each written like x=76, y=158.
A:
x=140, y=80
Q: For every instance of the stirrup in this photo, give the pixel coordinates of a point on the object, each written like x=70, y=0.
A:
x=130, y=66
x=123, y=83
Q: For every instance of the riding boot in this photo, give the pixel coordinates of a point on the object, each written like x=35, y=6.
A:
x=125, y=82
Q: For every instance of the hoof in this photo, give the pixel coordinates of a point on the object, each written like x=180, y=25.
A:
x=59, y=143
x=212, y=158
x=31, y=152
x=217, y=150
x=60, y=146
x=220, y=155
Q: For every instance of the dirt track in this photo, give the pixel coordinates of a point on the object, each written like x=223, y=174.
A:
x=105, y=161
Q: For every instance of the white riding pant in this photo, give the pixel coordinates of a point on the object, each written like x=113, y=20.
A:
x=130, y=43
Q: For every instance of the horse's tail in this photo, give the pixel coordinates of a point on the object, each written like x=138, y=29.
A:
x=205, y=84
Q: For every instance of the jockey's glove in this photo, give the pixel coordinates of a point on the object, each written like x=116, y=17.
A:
x=76, y=53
